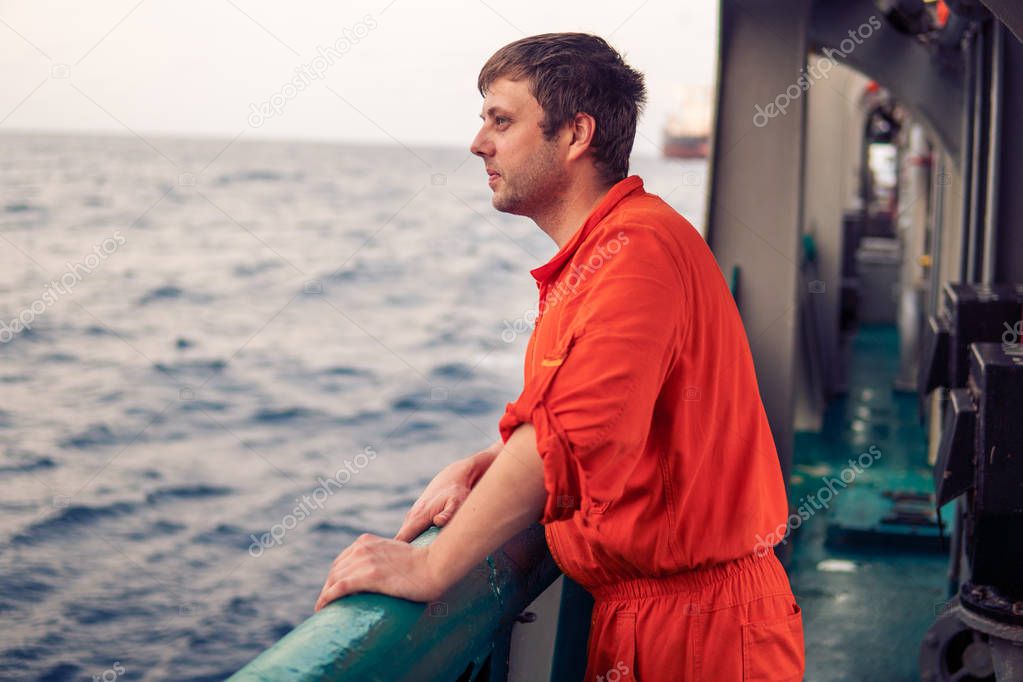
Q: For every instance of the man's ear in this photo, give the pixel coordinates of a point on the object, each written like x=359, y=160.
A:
x=583, y=127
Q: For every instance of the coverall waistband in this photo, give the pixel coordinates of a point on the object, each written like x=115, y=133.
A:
x=686, y=581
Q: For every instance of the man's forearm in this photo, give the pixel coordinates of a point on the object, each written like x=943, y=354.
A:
x=482, y=460
x=509, y=497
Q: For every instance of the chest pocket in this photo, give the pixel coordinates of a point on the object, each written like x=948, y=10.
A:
x=538, y=386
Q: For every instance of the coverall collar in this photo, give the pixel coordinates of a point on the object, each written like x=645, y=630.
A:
x=623, y=188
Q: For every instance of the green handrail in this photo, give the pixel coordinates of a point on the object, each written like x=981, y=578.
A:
x=376, y=637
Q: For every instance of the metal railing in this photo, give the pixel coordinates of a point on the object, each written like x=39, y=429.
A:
x=461, y=637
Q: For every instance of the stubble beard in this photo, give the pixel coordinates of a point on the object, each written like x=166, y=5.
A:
x=535, y=188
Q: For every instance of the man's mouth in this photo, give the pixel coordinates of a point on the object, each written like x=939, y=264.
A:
x=492, y=176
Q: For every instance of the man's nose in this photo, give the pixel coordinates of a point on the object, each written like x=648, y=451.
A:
x=481, y=145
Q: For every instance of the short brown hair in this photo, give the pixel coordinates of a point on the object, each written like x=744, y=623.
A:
x=571, y=73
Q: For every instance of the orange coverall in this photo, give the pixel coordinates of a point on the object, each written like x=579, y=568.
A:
x=660, y=469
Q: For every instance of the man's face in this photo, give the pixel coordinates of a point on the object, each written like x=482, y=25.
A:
x=526, y=171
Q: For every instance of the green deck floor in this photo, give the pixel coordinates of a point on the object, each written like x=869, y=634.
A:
x=865, y=609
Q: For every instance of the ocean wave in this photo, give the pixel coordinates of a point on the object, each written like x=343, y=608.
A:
x=256, y=175
x=25, y=462
x=170, y=292
x=452, y=370
x=62, y=358
x=191, y=366
x=156, y=529
x=358, y=419
x=24, y=585
x=422, y=430
x=348, y=371
x=459, y=401
x=92, y=436
x=332, y=527
x=89, y=613
x=196, y=405
x=224, y=534
x=188, y=492
x=60, y=672
x=69, y=518
x=395, y=503
x=22, y=207
x=269, y=415
x=251, y=269
x=363, y=270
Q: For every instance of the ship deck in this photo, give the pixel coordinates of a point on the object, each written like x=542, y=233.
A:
x=867, y=603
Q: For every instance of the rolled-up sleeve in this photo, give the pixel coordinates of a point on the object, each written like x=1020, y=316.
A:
x=591, y=398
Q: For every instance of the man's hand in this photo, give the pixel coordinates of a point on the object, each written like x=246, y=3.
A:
x=446, y=493
x=509, y=497
x=375, y=564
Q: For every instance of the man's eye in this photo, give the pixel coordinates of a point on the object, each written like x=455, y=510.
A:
x=500, y=120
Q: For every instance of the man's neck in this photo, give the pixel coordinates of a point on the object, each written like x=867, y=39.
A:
x=562, y=218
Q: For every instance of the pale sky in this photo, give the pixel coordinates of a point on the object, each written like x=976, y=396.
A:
x=404, y=70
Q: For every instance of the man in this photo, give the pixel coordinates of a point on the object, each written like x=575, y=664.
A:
x=639, y=439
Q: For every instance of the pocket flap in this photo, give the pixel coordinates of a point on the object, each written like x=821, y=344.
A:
x=550, y=363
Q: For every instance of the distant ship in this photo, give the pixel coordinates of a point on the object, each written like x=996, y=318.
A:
x=686, y=146
x=687, y=134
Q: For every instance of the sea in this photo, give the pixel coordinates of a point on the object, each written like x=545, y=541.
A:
x=222, y=360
